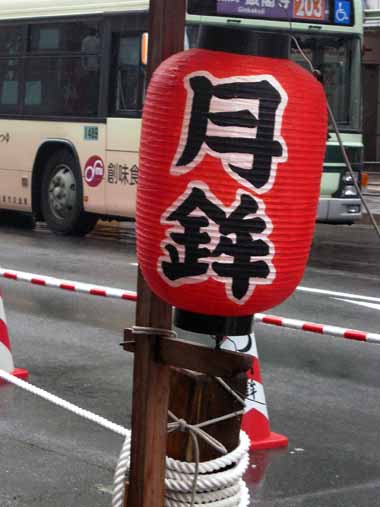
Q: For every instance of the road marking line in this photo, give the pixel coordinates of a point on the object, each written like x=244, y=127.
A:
x=373, y=306
x=338, y=294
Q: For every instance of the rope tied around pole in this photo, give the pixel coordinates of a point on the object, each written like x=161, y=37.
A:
x=183, y=426
x=196, y=432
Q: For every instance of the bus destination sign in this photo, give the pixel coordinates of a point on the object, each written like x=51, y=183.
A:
x=313, y=10
x=329, y=12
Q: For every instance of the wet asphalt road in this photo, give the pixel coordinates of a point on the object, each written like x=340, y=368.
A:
x=322, y=392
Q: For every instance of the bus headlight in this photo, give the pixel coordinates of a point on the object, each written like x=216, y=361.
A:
x=349, y=191
x=348, y=188
x=347, y=179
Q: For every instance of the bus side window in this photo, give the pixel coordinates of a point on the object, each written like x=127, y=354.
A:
x=128, y=79
x=9, y=86
x=11, y=39
x=62, y=69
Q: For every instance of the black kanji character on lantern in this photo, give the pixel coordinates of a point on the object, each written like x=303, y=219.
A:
x=193, y=253
x=191, y=238
x=242, y=248
x=263, y=145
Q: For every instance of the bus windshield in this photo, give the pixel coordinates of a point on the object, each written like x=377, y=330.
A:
x=338, y=59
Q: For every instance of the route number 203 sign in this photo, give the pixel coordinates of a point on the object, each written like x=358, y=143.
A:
x=309, y=9
x=329, y=12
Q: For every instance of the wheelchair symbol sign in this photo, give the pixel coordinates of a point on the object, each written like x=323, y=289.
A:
x=342, y=12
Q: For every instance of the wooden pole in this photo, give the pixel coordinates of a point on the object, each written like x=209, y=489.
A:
x=166, y=31
x=151, y=378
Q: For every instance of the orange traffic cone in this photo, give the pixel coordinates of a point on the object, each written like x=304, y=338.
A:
x=6, y=359
x=256, y=419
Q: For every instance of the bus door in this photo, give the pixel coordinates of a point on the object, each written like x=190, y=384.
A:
x=127, y=88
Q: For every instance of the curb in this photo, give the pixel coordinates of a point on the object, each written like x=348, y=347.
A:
x=365, y=220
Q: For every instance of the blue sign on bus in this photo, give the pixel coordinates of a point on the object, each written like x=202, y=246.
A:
x=342, y=12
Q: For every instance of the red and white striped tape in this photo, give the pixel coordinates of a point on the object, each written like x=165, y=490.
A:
x=312, y=327
x=110, y=292
x=68, y=285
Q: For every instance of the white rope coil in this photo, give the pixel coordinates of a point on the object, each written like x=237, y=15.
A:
x=215, y=464
x=231, y=501
x=120, y=471
x=210, y=482
x=214, y=488
x=245, y=498
x=211, y=496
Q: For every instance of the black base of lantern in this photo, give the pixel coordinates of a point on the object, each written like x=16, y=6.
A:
x=213, y=324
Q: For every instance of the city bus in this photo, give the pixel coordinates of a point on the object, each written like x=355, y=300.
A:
x=72, y=86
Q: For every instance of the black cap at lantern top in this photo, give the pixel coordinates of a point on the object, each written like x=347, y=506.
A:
x=244, y=42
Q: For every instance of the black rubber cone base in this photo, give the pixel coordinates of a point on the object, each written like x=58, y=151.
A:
x=213, y=324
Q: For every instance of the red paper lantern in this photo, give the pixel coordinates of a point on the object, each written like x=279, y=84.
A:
x=231, y=156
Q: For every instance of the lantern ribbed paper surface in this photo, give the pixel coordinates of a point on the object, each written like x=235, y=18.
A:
x=231, y=156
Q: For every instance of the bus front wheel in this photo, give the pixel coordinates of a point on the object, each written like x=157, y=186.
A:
x=62, y=196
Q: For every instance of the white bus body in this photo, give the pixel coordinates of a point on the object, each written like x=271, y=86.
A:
x=72, y=80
